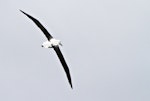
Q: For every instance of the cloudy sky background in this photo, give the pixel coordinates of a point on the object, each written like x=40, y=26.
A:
x=106, y=44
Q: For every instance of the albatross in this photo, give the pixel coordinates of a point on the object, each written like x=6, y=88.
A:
x=52, y=43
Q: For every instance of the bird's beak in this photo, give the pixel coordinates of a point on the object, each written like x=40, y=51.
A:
x=60, y=44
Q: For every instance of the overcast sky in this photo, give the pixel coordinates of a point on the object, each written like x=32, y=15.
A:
x=106, y=44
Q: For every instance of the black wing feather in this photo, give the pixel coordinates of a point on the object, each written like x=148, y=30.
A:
x=62, y=60
x=39, y=25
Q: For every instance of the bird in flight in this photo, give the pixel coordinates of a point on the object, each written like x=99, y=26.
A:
x=52, y=43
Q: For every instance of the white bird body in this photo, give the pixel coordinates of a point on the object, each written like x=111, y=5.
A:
x=51, y=43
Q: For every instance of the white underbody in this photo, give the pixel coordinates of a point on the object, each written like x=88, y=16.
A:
x=51, y=43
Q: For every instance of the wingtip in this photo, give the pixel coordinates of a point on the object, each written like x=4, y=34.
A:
x=71, y=85
x=70, y=82
x=22, y=11
x=26, y=14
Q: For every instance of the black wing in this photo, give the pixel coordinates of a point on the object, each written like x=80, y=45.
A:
x=39, y=25
x=62, y=60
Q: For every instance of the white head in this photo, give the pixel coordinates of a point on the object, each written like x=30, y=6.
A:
x=51, y=43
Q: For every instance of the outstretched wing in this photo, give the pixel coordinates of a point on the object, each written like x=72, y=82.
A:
x=39, y=25
x=62, y=60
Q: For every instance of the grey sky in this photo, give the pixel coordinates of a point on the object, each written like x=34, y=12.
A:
x=105, y=43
